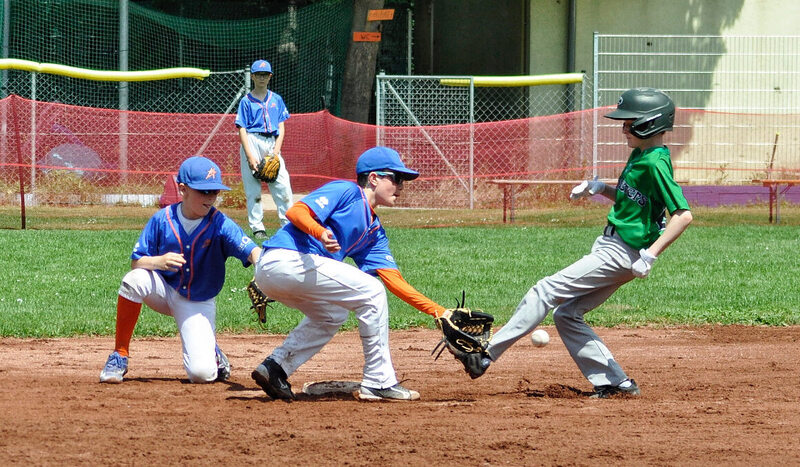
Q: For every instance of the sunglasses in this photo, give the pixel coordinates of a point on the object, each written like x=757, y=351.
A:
x=202, y=192
x=391, y=175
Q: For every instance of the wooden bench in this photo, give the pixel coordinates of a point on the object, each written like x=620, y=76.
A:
x=508, y=190
x=775, y=193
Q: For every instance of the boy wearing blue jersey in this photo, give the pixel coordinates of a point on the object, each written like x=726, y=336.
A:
x=178, y=268
x=303, y=267
x=259, y=123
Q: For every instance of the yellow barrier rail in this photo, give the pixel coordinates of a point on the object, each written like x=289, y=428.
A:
x=514, y=81
x=102, y=75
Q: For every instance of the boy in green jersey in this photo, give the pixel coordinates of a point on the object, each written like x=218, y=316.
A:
x=636, y=234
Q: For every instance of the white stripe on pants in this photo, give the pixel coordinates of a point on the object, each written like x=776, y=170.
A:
x=326, y=290
x=280, y=189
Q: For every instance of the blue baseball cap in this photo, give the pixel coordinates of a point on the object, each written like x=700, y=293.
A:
x=261, y=66
x=200, y=173
x=381, y=158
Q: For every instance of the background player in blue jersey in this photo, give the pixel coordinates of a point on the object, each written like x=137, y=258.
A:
x=259, y=122
x=302, y=267
x=178, y=268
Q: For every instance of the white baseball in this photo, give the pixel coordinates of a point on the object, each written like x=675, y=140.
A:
x=540, y=338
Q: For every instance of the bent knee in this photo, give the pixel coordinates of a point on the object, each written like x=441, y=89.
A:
x=374, y=288
x=563, y=316
x=201, y=372
x=136, y=284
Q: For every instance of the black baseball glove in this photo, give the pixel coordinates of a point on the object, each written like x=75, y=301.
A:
x=259, y=299
x=466, y=334
x=267, y=170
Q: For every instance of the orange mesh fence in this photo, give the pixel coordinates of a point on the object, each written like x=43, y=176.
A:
x=69, y=155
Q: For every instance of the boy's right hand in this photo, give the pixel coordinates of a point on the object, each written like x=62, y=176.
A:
x=329, y=241
x=253, y=163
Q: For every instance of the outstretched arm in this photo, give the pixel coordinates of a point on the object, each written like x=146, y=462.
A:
x=255, y=253
x=397, y=285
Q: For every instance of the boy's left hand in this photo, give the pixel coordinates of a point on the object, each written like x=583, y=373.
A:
x=641, y=267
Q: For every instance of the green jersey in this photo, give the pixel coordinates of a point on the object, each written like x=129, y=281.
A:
x=646, y=190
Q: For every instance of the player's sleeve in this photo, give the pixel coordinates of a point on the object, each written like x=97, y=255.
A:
x=325, y=200
x=147, y=243
x=397, y=285
x=303, y=218
x=241, y=113
x=284, y=112
x=236, y=242
x=669, y=189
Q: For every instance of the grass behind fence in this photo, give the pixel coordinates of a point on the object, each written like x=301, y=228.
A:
x=727, y=268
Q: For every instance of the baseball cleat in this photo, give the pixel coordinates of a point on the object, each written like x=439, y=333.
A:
x=272, y=379
x=223, y=365
x=608, y=391
x=116, y=367
x=394, y=393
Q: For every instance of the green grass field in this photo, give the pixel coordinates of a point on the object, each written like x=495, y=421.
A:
x=730, y=267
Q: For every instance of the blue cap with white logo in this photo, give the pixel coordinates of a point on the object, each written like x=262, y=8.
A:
x=261, y=66
x=200, y=173
x=382, y=158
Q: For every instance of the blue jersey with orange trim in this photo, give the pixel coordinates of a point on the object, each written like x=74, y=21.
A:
x=205, y=250
x=342, y=207
x=257, y=116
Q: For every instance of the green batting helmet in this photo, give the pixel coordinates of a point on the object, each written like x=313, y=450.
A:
x=651, y=110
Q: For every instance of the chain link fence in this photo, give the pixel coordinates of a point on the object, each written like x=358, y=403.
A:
x=738, y=98
x=462, y=132
x=306, y=46
x=217, y=93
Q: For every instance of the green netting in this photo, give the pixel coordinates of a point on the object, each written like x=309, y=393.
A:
x=306, y=47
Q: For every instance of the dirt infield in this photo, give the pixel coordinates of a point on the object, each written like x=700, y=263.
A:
x=710, y=396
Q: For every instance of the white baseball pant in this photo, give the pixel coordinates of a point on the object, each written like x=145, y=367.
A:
x=280, y=189
x=326, y=290
x=195, y=320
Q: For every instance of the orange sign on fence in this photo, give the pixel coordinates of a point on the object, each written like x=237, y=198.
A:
x=380, y=15
x=366, y=37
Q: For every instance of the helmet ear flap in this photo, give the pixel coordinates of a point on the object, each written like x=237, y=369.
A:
x=644, y=127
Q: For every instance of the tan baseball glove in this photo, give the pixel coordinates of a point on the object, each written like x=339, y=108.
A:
x=267, y=170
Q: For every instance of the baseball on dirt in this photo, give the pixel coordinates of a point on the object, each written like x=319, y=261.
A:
x=540, y=338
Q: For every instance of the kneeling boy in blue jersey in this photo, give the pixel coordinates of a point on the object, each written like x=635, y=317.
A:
x=178, y=268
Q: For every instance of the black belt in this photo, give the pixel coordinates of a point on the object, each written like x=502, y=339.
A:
x=609, y=230
x=267, y=134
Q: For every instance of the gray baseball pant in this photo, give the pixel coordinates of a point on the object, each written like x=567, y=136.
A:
x=573, y=291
